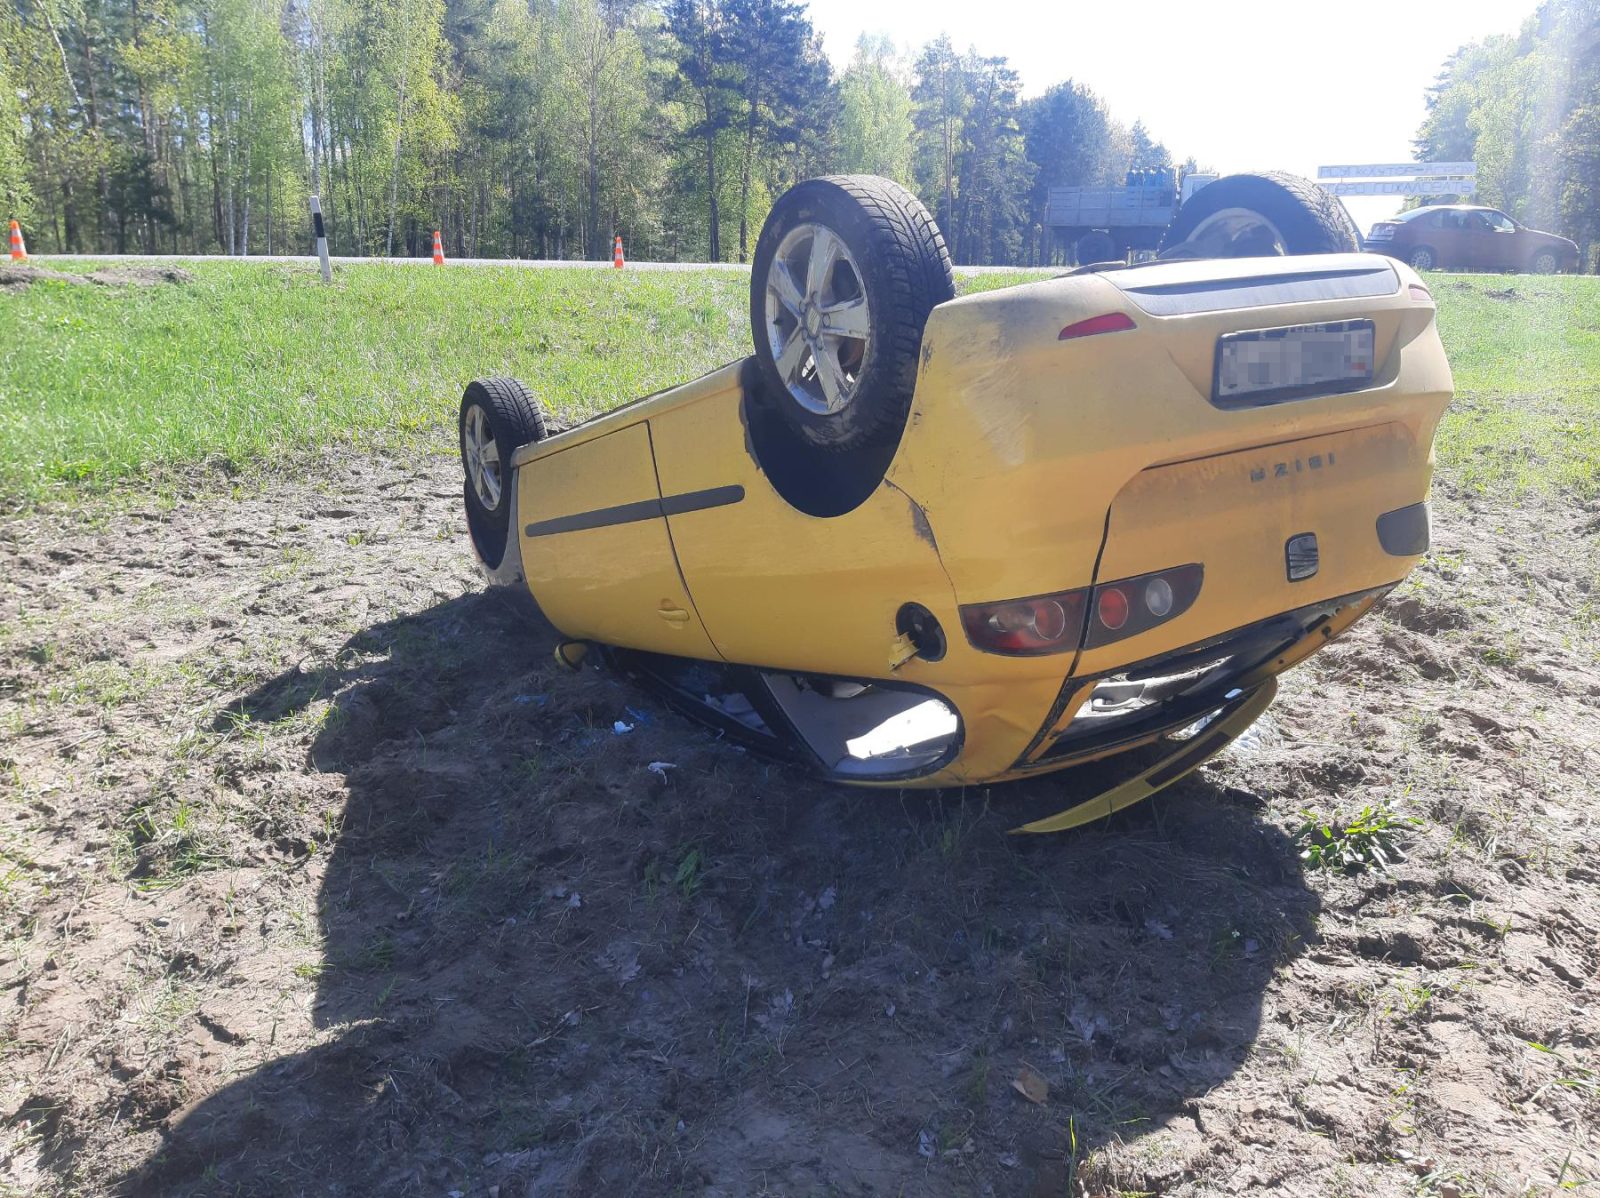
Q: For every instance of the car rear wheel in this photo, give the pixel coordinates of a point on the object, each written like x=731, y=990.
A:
x=498, y=417
x=1422, y=258
x=1248, y=216
x=1095, y=247
x=846, y=271
x=1545, y=263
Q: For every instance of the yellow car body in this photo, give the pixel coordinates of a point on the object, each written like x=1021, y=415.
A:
x=1034, y=461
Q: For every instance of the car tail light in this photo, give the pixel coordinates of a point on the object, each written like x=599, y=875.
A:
x=1111, y=322
x=1382, y=232
x=1085, y=618
x=1134, y=605
x=1027, y=627
x=1418, y=292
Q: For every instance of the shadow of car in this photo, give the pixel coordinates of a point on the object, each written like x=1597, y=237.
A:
x=1469, y=237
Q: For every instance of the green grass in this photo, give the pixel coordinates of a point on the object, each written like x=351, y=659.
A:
x=1526, y=356
x=1368, y=839
x=258, y=363
x=101, y=386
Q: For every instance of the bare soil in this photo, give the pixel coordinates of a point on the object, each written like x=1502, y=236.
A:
x=319, y=878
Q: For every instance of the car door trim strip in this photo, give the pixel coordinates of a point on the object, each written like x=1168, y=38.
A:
x=644, y=509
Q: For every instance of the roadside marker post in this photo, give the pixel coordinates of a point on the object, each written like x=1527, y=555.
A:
x=322, y=239
x=438, y=249
x=616, y=254
x=19, y=252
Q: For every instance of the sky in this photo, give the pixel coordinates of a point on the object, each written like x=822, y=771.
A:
x=1240, y=85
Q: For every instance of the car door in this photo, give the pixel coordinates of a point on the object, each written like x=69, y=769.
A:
x=1479, y=241
x=780, y=588
x=1505, y=248
x=1446, y=235
x=595, y=546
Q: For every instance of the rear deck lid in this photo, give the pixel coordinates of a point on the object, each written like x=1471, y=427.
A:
x=1245, y=517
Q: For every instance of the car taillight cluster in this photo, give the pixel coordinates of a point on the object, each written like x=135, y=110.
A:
x=1134, y=605
x=1027, y=627
x=1085, y=618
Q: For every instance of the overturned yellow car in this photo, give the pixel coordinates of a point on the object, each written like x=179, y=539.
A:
x=917, y=540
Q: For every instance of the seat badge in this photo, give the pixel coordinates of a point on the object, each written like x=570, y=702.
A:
x=1301, y=556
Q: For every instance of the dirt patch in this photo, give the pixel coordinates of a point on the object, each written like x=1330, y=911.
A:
x=316, y=868
x=19, y=277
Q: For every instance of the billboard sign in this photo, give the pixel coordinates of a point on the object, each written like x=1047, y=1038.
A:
x=1398, y=170
x=1400, y=179
x=1403, y=187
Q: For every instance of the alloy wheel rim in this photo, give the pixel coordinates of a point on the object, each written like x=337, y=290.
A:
x=1237, y=233
x=482, y=457
x=818, y=323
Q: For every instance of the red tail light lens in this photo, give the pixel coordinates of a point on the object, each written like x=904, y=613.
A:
x=1133, y=605
x=1418, y=292
x=1027, y=627
x=1111, y=322
x=1111, y=607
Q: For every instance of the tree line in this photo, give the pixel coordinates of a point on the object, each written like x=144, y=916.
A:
x=1526, y=109
x=521, y=128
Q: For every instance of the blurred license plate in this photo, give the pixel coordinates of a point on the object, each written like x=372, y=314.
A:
x=1267, y=365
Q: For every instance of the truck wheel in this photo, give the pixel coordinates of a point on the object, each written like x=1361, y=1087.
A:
x=1246, y=216
x=846, y=271
x=498, y=417
x=1095, y=247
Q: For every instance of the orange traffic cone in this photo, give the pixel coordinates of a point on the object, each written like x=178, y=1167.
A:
x=19, y=252
x=438, y=249
x=616, y=254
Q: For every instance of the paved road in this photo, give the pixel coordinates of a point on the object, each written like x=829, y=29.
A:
x=523, y=263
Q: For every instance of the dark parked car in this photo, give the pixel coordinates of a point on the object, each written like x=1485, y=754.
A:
x=1467, y=237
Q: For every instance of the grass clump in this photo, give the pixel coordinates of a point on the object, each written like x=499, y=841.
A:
x=1369, y=839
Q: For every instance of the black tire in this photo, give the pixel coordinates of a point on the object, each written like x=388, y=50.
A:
x=1309, y=220
x=899, y=254
x=1545, y=262
x=1095, y=247
x=513, y=420
x=1421, y=258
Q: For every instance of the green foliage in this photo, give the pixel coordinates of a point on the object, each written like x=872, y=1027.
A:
x=519, y=128
x=1367, y=839
x=875, y=127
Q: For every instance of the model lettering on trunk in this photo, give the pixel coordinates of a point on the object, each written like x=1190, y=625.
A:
x=1316, y=461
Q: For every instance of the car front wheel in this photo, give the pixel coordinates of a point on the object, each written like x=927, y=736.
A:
x=1545, y=263
x=845, y=273
x=498, y=417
